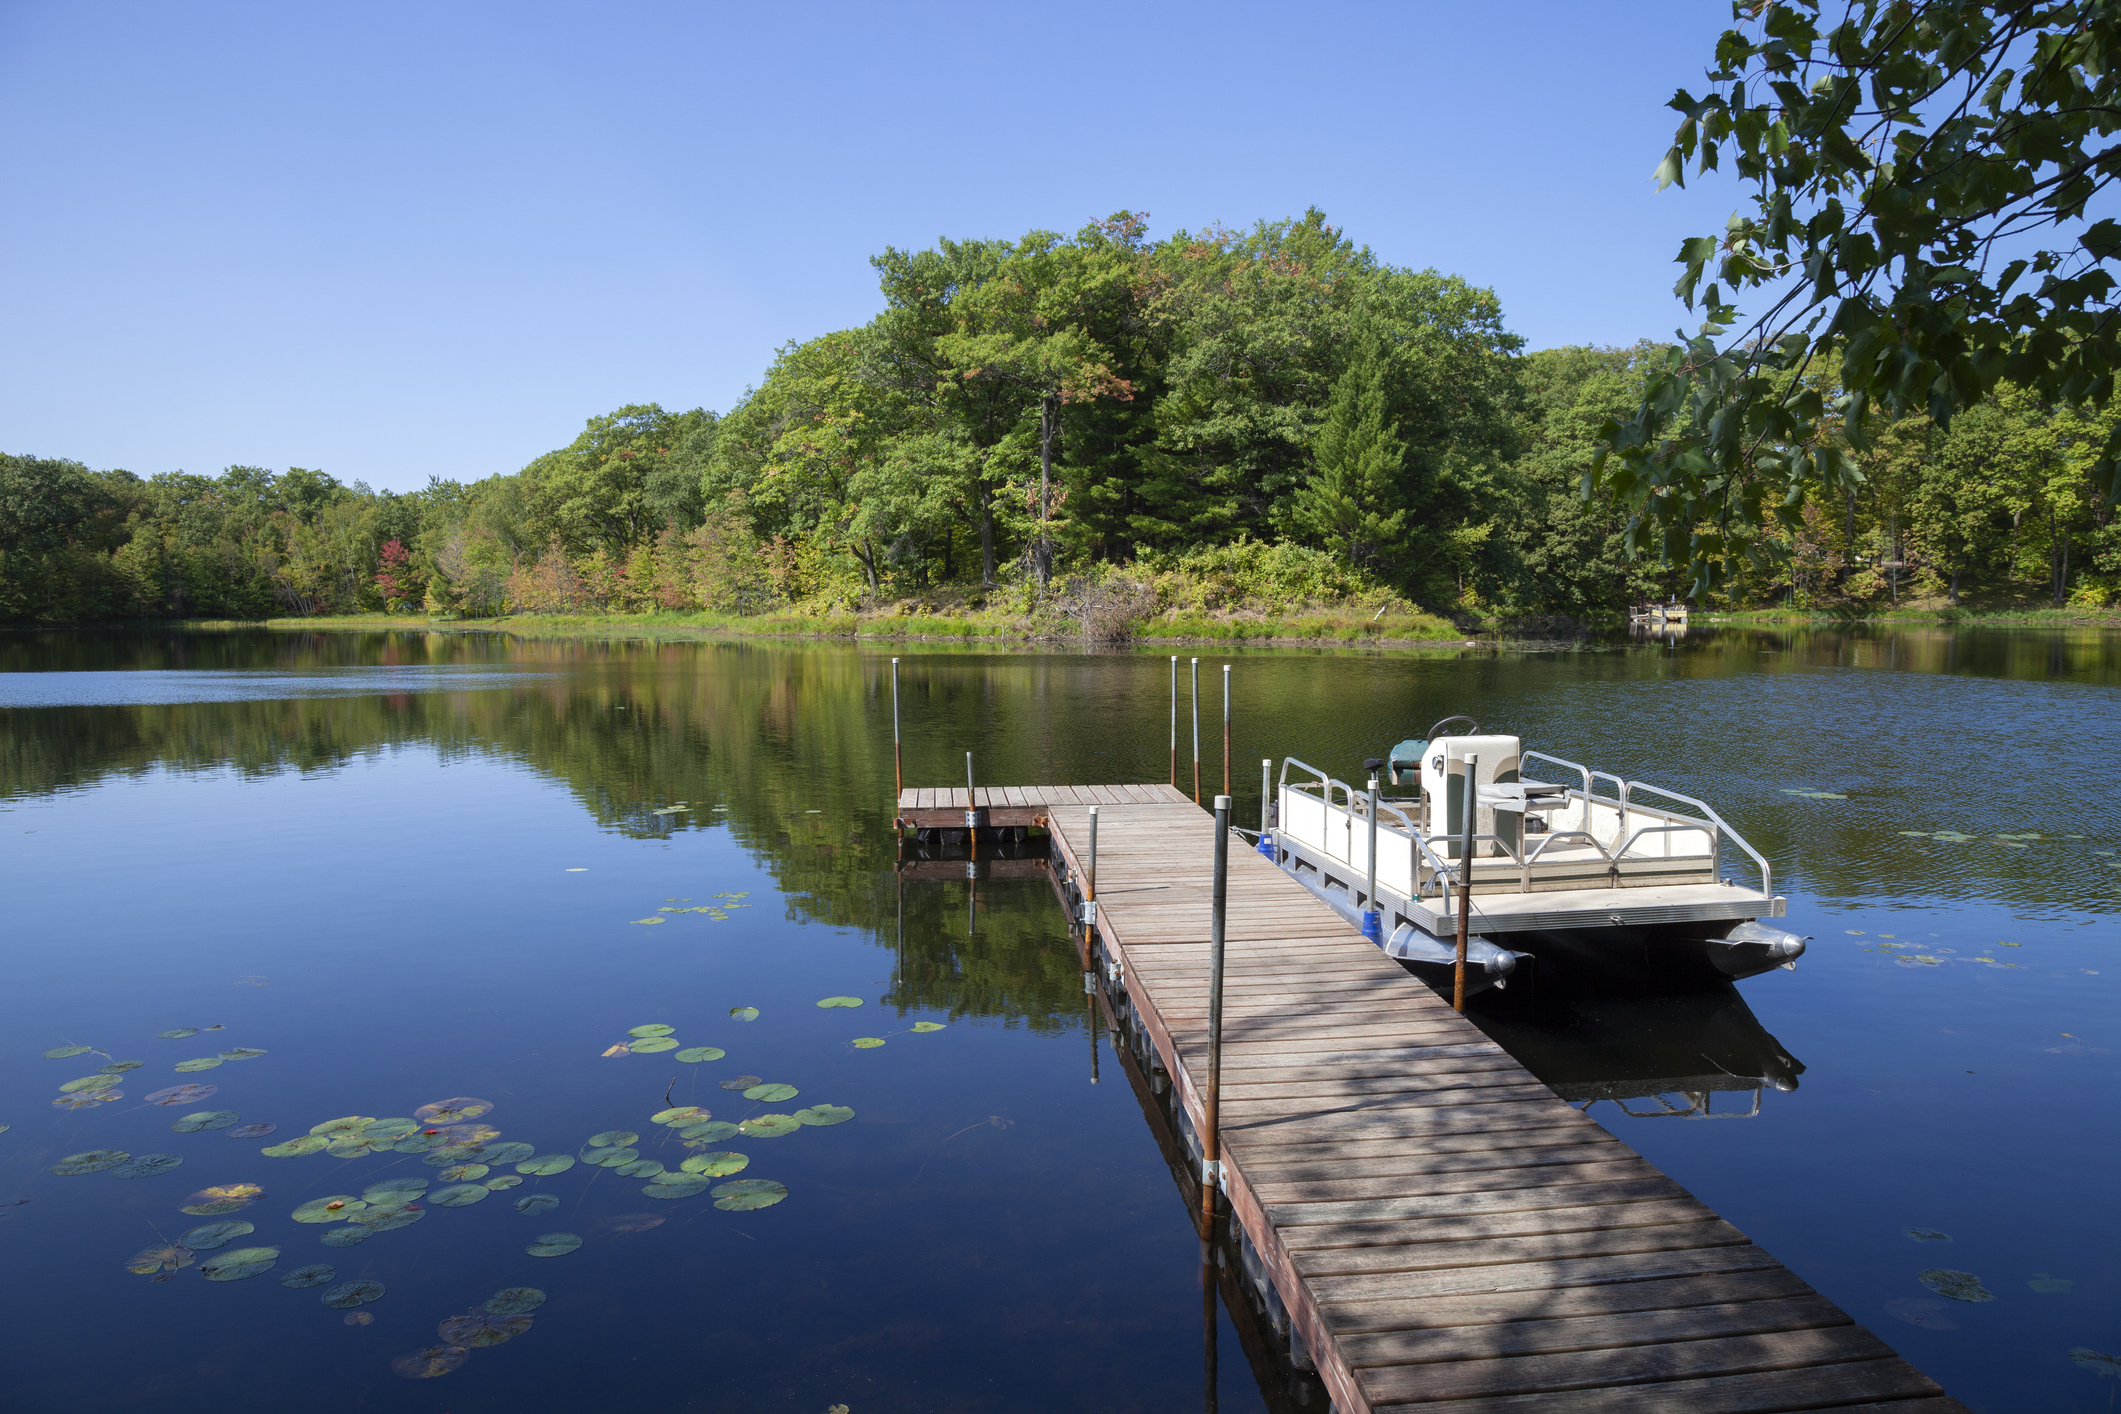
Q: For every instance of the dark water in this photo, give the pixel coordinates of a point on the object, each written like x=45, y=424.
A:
x=408, y=868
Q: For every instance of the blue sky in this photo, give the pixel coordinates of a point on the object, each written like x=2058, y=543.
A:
x=391, y=241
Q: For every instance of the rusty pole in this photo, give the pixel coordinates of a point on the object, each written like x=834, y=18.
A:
x=1211, y=1111
x=1196, y=731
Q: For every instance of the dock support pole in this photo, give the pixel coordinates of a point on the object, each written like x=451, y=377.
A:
x=1090, y=893
x=971, y=810
x=1372, y=918
x=1196, y=731
x=1226, y=731
x=898, y=763
x=1266, y=807
x=1465, y=883
x=1211, y=1110
x=1174, y=721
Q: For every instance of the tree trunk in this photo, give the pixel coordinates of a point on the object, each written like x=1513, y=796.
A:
x=1955, y=587
x=1048, y=429
x=986, y=534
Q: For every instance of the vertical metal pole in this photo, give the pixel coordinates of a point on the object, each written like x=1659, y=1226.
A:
x=1226, y=729
x=898, y=766
x=971, y=810
x=1465, y=882
x=1174, y=720
x=1196, y=731
x=1090, y=892
x=1372, y=916
x=1211, y=1114
x=1266, y=807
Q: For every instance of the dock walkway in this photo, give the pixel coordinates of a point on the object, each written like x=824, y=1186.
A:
x=1443, y=1230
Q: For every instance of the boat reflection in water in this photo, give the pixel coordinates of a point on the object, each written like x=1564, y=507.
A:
x=1700, y=1055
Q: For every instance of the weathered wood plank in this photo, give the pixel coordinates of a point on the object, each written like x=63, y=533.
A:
x=1755, y=1392
x=1604, y=1331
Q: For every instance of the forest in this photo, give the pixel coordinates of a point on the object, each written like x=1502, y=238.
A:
x=1260, y=422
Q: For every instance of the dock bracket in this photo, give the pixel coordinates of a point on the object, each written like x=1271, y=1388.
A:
x=1211, y=1171
x=1089, y=913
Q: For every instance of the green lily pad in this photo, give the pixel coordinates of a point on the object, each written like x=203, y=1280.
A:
x=718, y=1164
x=394, y=1190
x=223, y=1198
x=242, y=1053
x=554, y=1244
x=841, y=1001
x=62, y=1052
x=503, y=1183
x=419, y=1143
x=508, y=1153
x=86, y=1100
x=651, y=920
x=744, y=1013
x=741, y=1082
x=198, y=1063
x=2041, y=1282
x=2086, y=1358
x=677, y=1185
x=613, y=1139
x=158, y=1261
x=429, y=1364
x=391, y=1215
x=463, y=1173
x=769, y=1126
x=927, y=1025
x=451, y=1154
x=544, y=1164
x=822, y=1115
x=695, y=1054
x=711, y=1133
x=332, y=1208
x=206, y=1119
x=453, y=1111
x=178, y=1034
x=651, y=1045
x=297, y=1147
x=91, y=1082
x=641, y=1168
x=351, y=1124
x=515, y=1300
x=461, y=1195
x=1958, y=1286
x=746, y=1194
x=208, y=1236
x=654, y=1029
x=356, y=1146
x=611, y=1158
x=146, y=1166
x=119, y=1067
x=239, y=1263
x=315, y=1274
x=183, y=1094
x=480, y=1330
x=1953, y=836
x=867, y=1043
x=531, y=1204
x=349, y=1294
x=772, y=1093
x=349, y=1235
x=682, y=1117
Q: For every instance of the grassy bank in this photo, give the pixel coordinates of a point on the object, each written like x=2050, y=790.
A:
x=2069, y=617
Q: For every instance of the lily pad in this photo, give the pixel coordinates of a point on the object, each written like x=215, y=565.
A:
x=197, y=1063
x=746, y=1194
x=1954, y=836
x=419, y=1143
x=394, y=1190
x=119, y=1067
x=92, y=1162
x=348, y=1236
x=242, y=1053
x=238, y=1263
x=357, y=1146
x=744, y=1013
x=431, y=1363
x=741, y=1082
x=91, y=1082
x=682, y=1117
x=315, y=1274
x=695, y=1054
x=224, y=1198
x=391, y=1215
x=178, y=1034
x=927, y=1025
x=841, y=1001
x=651, y=1045
x=867, y=1043
x=545, y=1164
x=463, y=1173
x=350, y=1124
x=508, y=1153
x=208, y=1236
x=86, y=1099
x=2051, y=1286
x=393, y=1128
x=159, y=1260
x=206, y=1119
x=613, y=1139
x=1958, y=1286
x=554, y=1244
x=769, y=1126
x=334, y=1208
x=503, y=1183
x=822, y=1115
x=2086, y=1358
x=295, y=1148
x=771, y=1094
x=451, y=1111
x=62, y=1052
x=611, y=1158
x=653, y=1029
x=719, y=1164
x=1925, y=1234
x=713, y=1133
x=349, y=1294
x=146, y=1166
x=651, y=920
x=531, y=1204
x=515, y=1300
x=461, y=1195
x=677, y=1185
x=359, y=1318
x=480, y=1329
x=641, y=1168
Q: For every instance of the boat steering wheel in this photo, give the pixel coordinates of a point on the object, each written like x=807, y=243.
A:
x=1461, y=717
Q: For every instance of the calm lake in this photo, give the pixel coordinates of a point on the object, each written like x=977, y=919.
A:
x=443, y=879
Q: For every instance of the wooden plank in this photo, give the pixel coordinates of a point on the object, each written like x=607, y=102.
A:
x=1603, y=1331
x=1821, y=1387
x=1491, y=1310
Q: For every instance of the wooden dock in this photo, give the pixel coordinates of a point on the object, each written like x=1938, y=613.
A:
x=1443, y=1230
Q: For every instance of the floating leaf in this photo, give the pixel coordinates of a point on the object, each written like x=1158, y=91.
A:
x=611, y=1158
x=507, y=1153
x=641, y=1168
x=682, y=1117
x=351, y=1124
x=315, y=1274
x=867, y=1043
x=91, y=1082
x=62, y=1052
x=650, y=920
x=348, y=1235
x=451, y=1111
x=211, y=1235
x=744, y=1013
x=481, y=1329
x=356, y=1146
x=242, y=1053
x=531, y=1204
x=822, y=1115
x=198, y=1063
x=394, y=1190
x=461, y=1195
x=618, y=1050
x=451, y=1154
x=651, y=1045
x=677, y=1185
x=652, y=1029
x=1917, y=1311
x=841, y=1001
x=713, y=1133
x=390, y=1215
x=360, y=1318
x=420, y=1143
x=431, y=1363
x=769, y=1126
x=206, y=1119
x=239, y=1263
x=554, y=1244
x=505, y=1182
x=515, y=1300
x=696, y=1054
x=152, y=1261
x=179, y=1034
x=297, y=1147
x=927, y=1025
x=335, y=1208
x=2041, y=1282
x=545, y=1164
x=349, y=1294
x=119, y=1067
x=1953, y=836
x=718, y=1164
x=741, y=1082
x=613, y=1139
x=146, y=1166
x=771, y=1094
x=87, y=1099
x=390, y=1128
x=747, y=1193
x=1925, y=1234
x=463, y=1173
x=1959, y=1286
x=226, y=1198
x=2086, y=1358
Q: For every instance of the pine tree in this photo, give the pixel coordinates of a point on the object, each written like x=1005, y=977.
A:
x=1352, y=501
